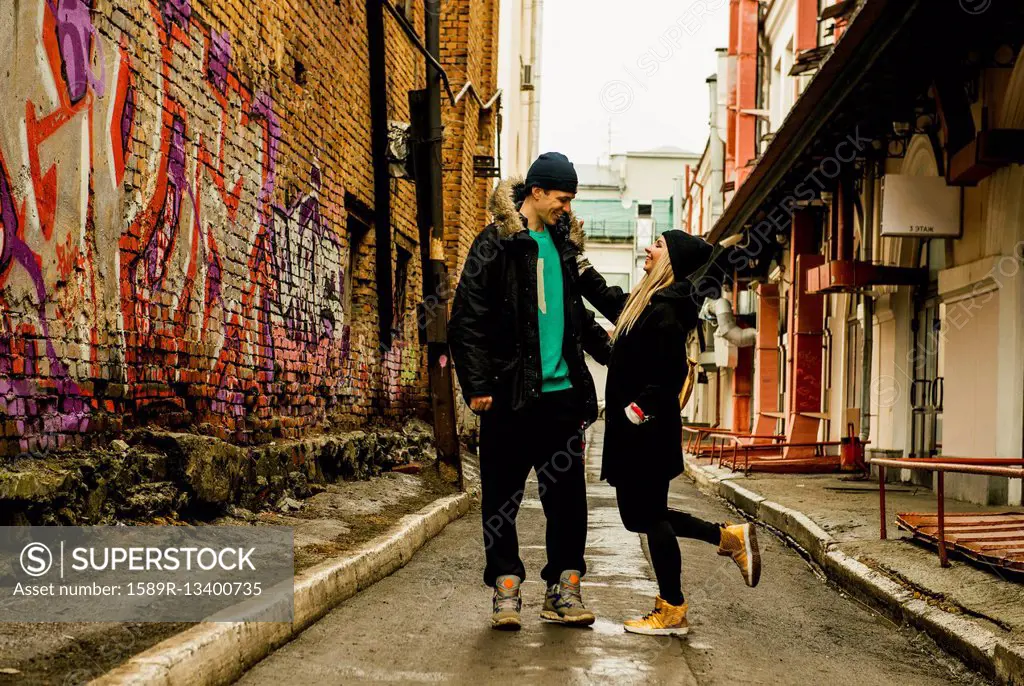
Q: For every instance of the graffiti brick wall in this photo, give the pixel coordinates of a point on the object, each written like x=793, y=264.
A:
x=185, y=193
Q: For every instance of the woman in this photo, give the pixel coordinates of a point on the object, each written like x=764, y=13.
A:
x=643, y=432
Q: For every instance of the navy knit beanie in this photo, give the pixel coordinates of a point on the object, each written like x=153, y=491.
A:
x=552, y=171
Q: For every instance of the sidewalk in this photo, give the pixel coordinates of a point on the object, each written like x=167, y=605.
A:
x=973, y=612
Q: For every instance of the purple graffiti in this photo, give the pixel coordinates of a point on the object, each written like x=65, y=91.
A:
x=127, y=116
x=266, y=243
x=263, y=108
x=214, y=276
x=176, y=12
x=8, y=221
x=167, y=229
x=68, y=411
x=346, y=341
x=76, y=36
x=303, y=236
x=220, y=59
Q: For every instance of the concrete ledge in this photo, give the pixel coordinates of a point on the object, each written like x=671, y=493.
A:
x=703, y=478
x=210, y=654
x=973, y=644
x=1009, y=663
x=798, y=526
x=865, y=583
x=745, y=500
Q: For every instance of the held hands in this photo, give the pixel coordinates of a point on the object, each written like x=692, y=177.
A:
x=636, y=415
x=481, y=403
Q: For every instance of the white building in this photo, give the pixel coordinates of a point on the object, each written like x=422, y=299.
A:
x=519, y=54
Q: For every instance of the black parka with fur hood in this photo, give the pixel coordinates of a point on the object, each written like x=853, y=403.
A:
x=494, y=332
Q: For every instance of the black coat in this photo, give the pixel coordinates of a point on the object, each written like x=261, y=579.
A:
x=494, y=333
x=648, y=366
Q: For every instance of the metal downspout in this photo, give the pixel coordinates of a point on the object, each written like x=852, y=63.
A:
x=869, y=304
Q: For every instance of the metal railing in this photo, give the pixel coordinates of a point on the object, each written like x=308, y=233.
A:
x=610, y=229
x=987, y=466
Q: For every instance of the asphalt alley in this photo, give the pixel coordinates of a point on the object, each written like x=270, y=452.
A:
x=428, y=622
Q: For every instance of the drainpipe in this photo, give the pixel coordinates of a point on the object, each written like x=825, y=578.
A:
x=869, y=303
x=381, y=173
x=442, y=385
x=729, y=329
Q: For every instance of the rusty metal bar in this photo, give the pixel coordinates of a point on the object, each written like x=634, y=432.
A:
x=953, y=467
x=883, y=534
x=943, y=558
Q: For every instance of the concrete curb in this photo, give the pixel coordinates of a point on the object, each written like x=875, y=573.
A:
x=210, y=654
x=975, y=645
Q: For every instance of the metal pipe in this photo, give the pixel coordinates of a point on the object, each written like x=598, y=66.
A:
x=943, y=559
x=727, y=327
x=442, y=385
x=869, y=304
x=410, y=33
x=381, y=173
x=986, y=470
x=883, y=534
x=471, y=90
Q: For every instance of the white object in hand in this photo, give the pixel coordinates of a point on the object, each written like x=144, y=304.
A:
x=635, y=414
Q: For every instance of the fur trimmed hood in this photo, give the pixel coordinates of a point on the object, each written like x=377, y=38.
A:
x=504, y=208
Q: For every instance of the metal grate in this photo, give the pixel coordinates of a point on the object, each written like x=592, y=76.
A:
x=995, y=538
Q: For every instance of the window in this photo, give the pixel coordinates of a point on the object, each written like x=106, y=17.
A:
x=644, y=210
x=357, y=231
x=401, y=282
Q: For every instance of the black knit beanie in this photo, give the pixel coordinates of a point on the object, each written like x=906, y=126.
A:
x=687, y=253
x=552, y=171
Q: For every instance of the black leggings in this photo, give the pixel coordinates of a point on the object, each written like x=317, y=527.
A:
x=644, y=509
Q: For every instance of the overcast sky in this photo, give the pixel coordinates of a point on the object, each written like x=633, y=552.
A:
x=638, y=65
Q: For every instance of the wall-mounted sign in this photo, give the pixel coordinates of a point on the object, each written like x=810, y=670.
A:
x=920, y=207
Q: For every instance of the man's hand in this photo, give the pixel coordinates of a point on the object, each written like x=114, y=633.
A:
x=481, y=403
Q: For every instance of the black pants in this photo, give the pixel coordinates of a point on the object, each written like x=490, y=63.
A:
x=644, y=509
x=547, y=437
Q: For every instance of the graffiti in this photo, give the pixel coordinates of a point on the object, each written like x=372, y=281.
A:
x=309, y=257
x=145, y=262
x=76, y=38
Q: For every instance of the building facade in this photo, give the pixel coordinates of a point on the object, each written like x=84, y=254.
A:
x=519, y=73
x=625, y=204
x=873, y=181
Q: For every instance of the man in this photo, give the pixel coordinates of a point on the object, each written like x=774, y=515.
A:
x=518, y=331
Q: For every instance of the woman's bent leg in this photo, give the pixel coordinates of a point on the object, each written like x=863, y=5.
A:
x=687, y=526
x=644, y=509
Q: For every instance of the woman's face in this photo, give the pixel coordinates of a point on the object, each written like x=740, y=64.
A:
x=654, y=253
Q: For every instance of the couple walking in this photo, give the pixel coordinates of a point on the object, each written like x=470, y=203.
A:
x=518, y=334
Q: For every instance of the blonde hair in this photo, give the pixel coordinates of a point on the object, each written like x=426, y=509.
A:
x=660, y=277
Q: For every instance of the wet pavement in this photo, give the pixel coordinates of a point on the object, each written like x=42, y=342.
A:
x=428, y=623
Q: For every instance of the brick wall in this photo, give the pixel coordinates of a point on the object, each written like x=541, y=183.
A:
x=184, y=186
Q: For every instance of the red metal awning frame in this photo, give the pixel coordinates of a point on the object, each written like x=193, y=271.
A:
x=989, y=151
x=839, y=276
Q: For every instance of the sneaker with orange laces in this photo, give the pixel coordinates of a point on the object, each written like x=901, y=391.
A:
x=740, y=543
x=507, y=604
x=665, y=620
x=564, y=602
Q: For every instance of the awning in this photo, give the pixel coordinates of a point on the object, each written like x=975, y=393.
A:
x=876, y=74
